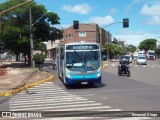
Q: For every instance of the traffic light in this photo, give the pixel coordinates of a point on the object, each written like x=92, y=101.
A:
x=75, y=24
x=125, y=22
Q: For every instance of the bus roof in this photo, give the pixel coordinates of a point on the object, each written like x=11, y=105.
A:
x=82, y=42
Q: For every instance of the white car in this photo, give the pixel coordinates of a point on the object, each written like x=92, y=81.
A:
x=141, y=60
x=130, y=58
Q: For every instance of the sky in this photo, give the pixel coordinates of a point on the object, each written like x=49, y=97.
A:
x=143, y=15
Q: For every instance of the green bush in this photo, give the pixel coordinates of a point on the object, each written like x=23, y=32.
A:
x=39, y=58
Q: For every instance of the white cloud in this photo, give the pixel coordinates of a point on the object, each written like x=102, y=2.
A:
x=131, y=5
x=134, y=37
x=101, y=20
x=129, y=32
x=62, y=26
x=112, y=11
x=81, y=8
x=155, y=20
x=150, y=10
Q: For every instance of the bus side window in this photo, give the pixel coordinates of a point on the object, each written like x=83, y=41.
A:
x=62, y=53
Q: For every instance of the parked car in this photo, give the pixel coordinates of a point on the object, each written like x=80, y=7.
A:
x=151, y=58
x=141, y=60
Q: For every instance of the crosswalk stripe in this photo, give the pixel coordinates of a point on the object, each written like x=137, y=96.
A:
x=55, y=107
x=102, y=108
x=44, y=87
x=51, y=101
x=43, y=93
x=50, y=104
x=46, y=100
x=46, y=95
x=92, y=108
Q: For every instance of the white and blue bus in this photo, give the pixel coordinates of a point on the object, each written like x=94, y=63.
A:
x=79, y=63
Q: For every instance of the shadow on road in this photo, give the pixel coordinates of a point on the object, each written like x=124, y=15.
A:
x=100, y=85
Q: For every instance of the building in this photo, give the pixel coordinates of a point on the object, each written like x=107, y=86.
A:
x=51, y=48
x=86, y=32
x=106, y=38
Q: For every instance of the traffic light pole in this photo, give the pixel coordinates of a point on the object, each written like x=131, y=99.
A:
x=125, y=24
x=111, y=24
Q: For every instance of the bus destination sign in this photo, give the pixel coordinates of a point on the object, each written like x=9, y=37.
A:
x=81, y=47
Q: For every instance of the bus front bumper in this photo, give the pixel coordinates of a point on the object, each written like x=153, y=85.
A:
x=83, y=80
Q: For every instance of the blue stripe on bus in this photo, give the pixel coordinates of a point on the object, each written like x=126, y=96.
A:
x=82, y=79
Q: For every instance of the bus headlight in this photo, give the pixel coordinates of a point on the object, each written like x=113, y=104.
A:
x=99, y=73
x=68, y=74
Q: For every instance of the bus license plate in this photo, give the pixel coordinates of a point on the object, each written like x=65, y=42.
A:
x=84, y=83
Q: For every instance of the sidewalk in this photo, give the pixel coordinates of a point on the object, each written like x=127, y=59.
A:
x=20, y=77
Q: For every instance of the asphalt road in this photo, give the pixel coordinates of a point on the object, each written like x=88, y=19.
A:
x=140, y=92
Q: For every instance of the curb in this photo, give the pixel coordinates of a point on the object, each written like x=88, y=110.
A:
x=12, y=92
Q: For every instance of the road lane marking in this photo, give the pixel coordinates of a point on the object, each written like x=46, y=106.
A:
x=91, y=108
x=20, y=101
x=54, y=103
x=50, y=104
x=55, y=107
x=49, y=101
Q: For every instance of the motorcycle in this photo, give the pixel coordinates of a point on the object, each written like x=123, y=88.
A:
x=53, y=64
x=123, y=68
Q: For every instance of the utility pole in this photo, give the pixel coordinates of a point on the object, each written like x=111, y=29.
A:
x=31, y=38
x=100, y=41
x=108, y=40
x=31, y=35
x=0, y=21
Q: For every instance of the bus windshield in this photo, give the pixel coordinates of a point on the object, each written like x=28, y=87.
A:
x=83, y=60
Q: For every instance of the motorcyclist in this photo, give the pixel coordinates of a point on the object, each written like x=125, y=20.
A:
x=123, y=67
x=53, y=63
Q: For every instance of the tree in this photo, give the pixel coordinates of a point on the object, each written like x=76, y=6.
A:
x=15, y=26
x=157, y=50
x=113, y=49
x=41, y=47
x=148, y=44
x=131, y=48
x=39, y=59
